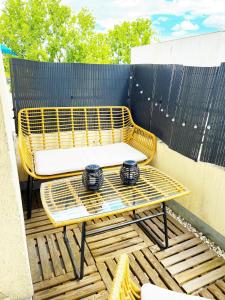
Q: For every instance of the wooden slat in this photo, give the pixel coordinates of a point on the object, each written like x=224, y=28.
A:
x=199, y=282
x=103, y=295
x=83, y=292
x=177, y=224
x=137, y=270
x=54, y=253
x=221, y=285
x=64, y=252
x=34, y=261
x=105, y=275
x=113, y=240
x=113, y=247
x=105, y=235
x=111, y=265
x=205, y=293
x=68, y=286
x=152, y=274
x=216, y=292
x=194, y=266
x=158, y=222
x=121, y=251
x=168, y=280
x=35, y=221
x=178, y=248
x=37, y=225
x=87, y=254
x=199, y=270
x=74, y=247
x=139, y=231
x=153, y=227
x=184, y=255
x=193, y=261
x=59, y=280
x=41, y=229
x=44, y=258
x=180, y=238
x=174, y=241
x=105, y=223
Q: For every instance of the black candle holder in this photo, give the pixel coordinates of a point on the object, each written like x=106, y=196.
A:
x=93, y=177
x=129, y=172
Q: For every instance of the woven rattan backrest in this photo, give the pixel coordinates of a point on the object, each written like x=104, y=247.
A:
x=54, y=128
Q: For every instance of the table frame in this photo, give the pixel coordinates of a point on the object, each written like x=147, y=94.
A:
x=79, y=274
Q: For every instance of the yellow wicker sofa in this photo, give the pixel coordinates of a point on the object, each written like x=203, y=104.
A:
x=124, y=288
x=60, y=141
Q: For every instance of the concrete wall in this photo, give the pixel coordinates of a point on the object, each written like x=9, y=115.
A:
x=15, y=277
x=206, y=181
x=201, y=50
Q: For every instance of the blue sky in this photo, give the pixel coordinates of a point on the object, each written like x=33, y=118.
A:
x=171, y=18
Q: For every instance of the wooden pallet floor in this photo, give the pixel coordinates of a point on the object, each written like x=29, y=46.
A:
x=187, y=266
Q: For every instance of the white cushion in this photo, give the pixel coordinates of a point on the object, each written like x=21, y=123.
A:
x=57, y=161
x=152, y=292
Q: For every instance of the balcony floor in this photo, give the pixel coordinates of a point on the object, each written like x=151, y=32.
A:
x=188, y=265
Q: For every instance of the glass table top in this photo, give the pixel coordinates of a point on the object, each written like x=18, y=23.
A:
x=66, y=201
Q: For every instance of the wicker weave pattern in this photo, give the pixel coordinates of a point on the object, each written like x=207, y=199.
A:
x=68, y=198
x=124, y=287
x=67, y=127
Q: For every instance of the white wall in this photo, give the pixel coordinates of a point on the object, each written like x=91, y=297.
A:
x=204, y=180
x=201, y=50
x=15, y=277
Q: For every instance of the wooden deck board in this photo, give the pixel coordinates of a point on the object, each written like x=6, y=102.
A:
x=187, y=265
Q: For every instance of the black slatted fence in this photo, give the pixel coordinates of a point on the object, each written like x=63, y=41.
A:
x=192, y=110
x=213, y=149
x=184, y=106
x=175, y=102
x=42, y=84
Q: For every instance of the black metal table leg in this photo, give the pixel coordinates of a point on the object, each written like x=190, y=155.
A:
x=165, y=225
x=83, y=237
x=29, y=196
x=136, y=220
x=146, y=230
x=77, y=274
x=70, y=252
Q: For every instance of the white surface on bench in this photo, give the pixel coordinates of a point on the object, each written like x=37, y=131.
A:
x=150, y=291
x=70, y=214
x=57, y=161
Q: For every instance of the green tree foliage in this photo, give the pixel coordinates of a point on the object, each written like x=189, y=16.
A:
x=49, y=31
x=127, y=35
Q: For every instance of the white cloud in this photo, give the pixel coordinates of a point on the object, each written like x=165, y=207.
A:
x=106, y=11
x=217, y=21
x=1, y=5
x=160, y=20
x=185, y=26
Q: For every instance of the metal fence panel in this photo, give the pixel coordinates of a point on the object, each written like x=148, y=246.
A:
x=143, y=78
x=213, y=149
x=192, y=110
x=37, y=84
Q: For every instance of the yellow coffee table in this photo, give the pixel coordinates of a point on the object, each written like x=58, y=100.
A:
x=66, y=201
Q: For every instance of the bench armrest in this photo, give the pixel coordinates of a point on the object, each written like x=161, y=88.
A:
x=123, y=286
x=143, y=141
x=25, y=152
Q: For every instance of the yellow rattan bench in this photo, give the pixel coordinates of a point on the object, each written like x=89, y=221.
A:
x=72, y=127
x=124, y=288
x=123, y=285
